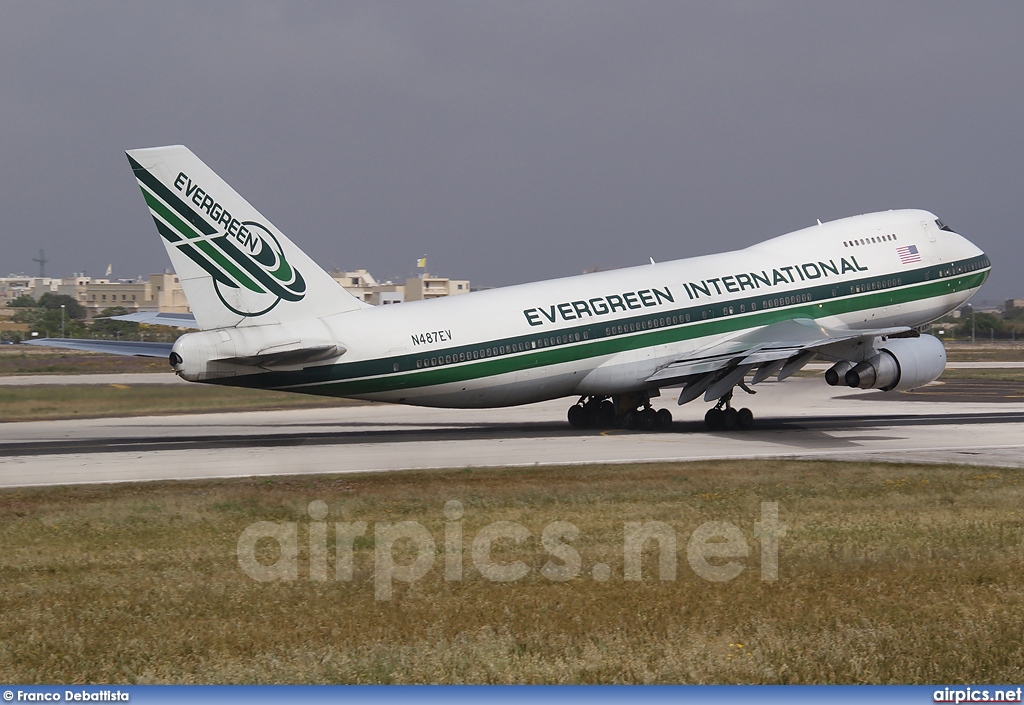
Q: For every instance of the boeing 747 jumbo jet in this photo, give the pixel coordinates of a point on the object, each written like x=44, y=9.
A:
x=852, y=292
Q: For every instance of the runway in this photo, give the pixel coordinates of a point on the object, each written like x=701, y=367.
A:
x=801, y=418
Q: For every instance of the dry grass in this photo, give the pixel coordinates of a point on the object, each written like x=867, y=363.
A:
x=888, y=574
x=1008, y=374
x=38, y=402
x=985, y=351
x=29, y=360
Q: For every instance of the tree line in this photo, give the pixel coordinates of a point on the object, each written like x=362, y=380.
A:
x=46, y=317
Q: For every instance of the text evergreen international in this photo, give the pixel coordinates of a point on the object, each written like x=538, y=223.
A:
x=730, y=283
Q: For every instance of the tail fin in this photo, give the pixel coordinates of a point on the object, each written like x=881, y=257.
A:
x=235, y=267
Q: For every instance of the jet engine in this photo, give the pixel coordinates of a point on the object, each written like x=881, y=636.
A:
x=899, y=363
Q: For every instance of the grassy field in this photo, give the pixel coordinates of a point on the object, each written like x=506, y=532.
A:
x=984, y=351
x=994, y=375
x=40, y=402
x=29, y=360
x=887, y=574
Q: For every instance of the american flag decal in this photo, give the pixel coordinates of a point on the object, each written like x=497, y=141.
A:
x=908, y=254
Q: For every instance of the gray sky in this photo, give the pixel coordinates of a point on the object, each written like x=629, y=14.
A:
x=512, y=141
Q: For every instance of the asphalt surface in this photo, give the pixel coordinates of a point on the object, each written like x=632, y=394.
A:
x=961, y=421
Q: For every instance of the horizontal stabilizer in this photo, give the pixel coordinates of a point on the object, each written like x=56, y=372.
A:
x=111, y=347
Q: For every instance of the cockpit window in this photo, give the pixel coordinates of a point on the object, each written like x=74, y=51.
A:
x=943, y=226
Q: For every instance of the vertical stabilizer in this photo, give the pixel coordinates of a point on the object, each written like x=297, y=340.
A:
x=235, y=267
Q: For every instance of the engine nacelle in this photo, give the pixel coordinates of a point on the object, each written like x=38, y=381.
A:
x=901, y=363
x=836, y=374
x=229, y=352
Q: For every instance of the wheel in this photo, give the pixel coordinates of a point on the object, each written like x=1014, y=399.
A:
x=606, y=414
x=730, y=419
x=626, y=420
x=664, y=420
x=745, y=419
x=590, y=416
x=713, y=420
x=646, y=419
x=577, y=416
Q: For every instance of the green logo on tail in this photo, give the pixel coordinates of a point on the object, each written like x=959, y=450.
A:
x=250, y=271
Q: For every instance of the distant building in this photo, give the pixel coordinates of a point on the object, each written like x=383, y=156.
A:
x=160, y=292
x=15, y=285
x=99, y=294
x=428, y=287
x=1014, y=303
x=163, y=292
x=364, y=287
x=166, y=293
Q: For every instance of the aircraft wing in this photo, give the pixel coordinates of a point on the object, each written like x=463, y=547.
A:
x=292, y=354
x=781, y=348
x=125, y=347
x=112, y=347
x=155, y=318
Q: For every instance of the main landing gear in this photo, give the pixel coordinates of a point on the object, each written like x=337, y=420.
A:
x=724, y=417
x=626, y=411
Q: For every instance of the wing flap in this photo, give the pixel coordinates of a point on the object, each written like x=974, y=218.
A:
x=768, y=344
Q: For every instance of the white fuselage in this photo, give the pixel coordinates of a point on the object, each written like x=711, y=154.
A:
x=606, y=333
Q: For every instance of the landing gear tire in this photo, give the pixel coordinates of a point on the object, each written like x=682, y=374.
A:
x=646, y=419
x=663, y=420
x=626, y=420
x=627, y=412
x=577, y=416
x=745, y=419
x=730, y=419
x=713, y=419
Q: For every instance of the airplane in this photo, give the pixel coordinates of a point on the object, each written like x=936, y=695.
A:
x=853, y=292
